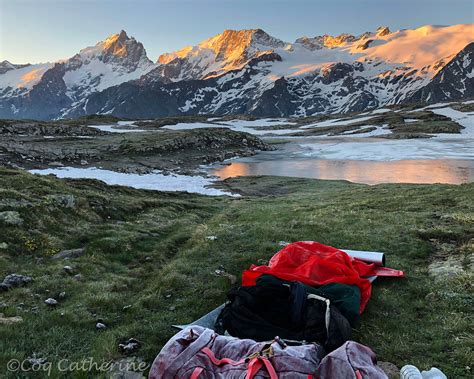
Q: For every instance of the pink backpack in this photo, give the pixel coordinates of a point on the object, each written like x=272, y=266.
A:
x=200, y=353
x=350, y=361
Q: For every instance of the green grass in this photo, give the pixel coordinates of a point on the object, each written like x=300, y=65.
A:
x=149, y=250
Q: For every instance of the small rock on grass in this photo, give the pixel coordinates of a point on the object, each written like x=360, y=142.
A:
x=68, y=270
x=9, y=320
x=51, y=302
x=100, y=326
x=130, y=346
x=73, y=253
x=11, y=218
x=34, y=360
x=14, y=280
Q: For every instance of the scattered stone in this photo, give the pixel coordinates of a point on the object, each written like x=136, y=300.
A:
x=14, y=280
x=51, y=302
x=100, y=326
x=66, y=254
x=68, y=270
x=127, y=307
x=283, y=243
x=34, y=360
x=62, y=314
x=11, y=218
x=392, y=371
x=3, y=246
x=168, y=296
x=62, y=200
x=62, y=295
x=56, y=164
x=77, y=277
x=148, y=259
x=211, y=238
x=84, y=162
x=9, y=320
x=131, y=346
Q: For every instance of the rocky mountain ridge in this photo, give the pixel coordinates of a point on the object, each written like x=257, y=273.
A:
x=247, y=71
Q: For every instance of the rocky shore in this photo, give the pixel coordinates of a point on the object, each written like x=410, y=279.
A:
x=36, y=145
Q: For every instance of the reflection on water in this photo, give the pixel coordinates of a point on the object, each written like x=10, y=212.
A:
x=453, y=171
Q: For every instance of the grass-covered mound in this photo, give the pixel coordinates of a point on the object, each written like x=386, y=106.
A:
x=148, y=262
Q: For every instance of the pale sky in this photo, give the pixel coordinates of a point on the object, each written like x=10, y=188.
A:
x=48, y=30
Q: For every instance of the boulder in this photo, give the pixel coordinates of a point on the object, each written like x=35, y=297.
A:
x=66, y=254
x=14, y=280
x=11, y=218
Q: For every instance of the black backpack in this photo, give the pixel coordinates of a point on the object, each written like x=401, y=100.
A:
x=275, y=308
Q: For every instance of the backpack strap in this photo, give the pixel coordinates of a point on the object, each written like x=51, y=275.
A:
x=254, y=364
x=223, y=361
x=327, y=316
x=196, y=372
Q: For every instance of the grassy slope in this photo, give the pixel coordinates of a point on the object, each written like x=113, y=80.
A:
x=122, y=227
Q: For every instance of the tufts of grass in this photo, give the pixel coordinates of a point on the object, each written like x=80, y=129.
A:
x=148, y=263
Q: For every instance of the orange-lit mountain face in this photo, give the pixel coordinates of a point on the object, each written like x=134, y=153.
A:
x=248, y=71
x=227, y=51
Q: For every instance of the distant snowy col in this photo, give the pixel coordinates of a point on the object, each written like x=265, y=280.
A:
x=247, y=72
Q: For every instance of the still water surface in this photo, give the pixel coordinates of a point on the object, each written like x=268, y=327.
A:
x=451, y=164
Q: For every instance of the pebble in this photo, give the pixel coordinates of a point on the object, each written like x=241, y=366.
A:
x=100, y=326
x=62, y=295
x=35, y=361
x=68, y=269
x=51, y=302
x=78, y=277
x=131, y=345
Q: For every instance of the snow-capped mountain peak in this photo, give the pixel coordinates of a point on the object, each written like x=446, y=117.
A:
x=227, y=51
x=248, y=71
x=118, y=49
x=7, y=66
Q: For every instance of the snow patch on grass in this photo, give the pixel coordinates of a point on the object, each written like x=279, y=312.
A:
x=154, y=181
